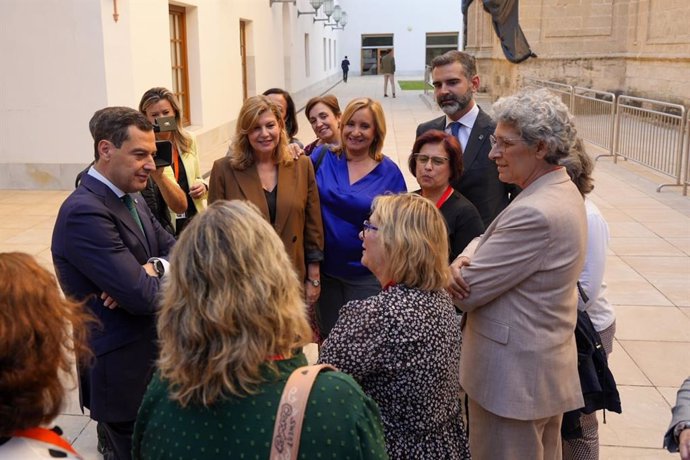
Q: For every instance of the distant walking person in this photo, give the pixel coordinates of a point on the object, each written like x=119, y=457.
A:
x=388, y=69
x=345, y=65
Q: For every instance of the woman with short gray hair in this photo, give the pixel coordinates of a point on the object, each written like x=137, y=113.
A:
x=517, y=286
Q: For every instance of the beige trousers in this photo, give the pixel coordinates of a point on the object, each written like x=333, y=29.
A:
x=493, y=436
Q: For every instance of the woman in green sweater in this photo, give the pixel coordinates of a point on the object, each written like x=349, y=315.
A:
x=231, y=318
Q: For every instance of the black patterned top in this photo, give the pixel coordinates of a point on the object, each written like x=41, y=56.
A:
x=403, y=347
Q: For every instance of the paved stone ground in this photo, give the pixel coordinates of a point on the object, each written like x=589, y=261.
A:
x=648, y=274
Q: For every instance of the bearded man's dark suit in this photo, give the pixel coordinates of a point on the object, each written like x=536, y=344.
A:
x=97, y=246
x=479, y=182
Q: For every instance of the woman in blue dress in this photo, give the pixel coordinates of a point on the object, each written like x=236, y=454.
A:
x=348, y=178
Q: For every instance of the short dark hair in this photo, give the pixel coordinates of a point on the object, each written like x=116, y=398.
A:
x=291, y=126
x=449, y=143
x=467, y=61
x=112, y=124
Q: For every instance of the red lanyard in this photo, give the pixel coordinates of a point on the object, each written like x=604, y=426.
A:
x=444, y=197
x=176, y=163
x=276, y=358
x=47, y=436
x=389, y=285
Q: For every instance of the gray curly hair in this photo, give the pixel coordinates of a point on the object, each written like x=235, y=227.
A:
x=539, y=115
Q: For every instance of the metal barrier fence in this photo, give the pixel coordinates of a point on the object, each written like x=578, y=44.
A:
x=686, y=155
x=650, y=133
x=564, y=91
x=596, y=116
x=655, y=134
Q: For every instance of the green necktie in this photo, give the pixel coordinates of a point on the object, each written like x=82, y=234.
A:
x=129, y=202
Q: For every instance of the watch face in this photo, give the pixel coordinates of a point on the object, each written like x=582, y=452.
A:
x=159, y=267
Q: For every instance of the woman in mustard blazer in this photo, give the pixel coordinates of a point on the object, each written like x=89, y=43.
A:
x=260, y=169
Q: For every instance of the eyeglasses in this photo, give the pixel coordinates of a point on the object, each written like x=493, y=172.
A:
x=424, y=159
x=503, y=143
x=366, y=225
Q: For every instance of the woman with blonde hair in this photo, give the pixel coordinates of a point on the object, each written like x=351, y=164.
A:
x=231, y=320
x=184, y=170
x=261, y=170
x=40, y=334
x=403, y=344
x=349, y=177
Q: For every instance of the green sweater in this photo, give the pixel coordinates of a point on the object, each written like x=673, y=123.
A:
x=341, y=422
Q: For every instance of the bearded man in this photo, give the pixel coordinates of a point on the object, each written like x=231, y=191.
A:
x=455, y=80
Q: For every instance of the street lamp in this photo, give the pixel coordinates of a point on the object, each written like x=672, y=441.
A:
x=316, y=4
x=327, y=10
x=337, y=14
x=343, y=22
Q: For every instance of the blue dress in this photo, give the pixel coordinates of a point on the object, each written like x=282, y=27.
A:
x=344, y=207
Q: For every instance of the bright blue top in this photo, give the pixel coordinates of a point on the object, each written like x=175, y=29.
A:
x=344, y=207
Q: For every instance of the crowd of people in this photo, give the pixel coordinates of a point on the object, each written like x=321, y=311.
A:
x=448, y=312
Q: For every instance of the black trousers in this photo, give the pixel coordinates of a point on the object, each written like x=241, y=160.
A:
x=118, y=436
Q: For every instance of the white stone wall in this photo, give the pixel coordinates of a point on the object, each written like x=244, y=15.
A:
x=64, y=59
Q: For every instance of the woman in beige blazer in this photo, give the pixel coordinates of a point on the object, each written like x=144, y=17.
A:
x=260, y=169
x=517, y=286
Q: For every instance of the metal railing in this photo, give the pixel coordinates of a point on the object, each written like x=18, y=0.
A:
x=652, y=133
x=596, y=116
x=562, y=90
x=686, y=155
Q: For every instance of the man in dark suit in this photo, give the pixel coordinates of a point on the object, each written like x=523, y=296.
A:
x=455, y=79
x=105, y=248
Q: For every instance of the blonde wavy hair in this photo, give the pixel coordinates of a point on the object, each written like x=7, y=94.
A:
x=241, y=151
x=376, y=147
x=232, y=299
x=415, y=237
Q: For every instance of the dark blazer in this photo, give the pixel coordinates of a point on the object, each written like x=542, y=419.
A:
x=298, y=209
x=479, y=181
x=97, y=246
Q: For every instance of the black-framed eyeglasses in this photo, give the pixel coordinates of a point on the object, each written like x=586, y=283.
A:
x=424, y=159
x=503, y=143
x=366, y=225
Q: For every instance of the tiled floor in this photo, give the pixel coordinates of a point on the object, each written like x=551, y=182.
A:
x=648, y=274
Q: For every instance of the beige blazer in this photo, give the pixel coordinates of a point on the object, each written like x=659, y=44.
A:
x=298, y=209
x=519, y=358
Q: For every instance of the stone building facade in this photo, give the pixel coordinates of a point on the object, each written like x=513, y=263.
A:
x=637, y=47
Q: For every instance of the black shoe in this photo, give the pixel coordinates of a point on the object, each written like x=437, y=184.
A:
x=385, y=95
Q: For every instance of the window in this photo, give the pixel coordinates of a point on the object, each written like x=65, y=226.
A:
x=373, y=48
x=439, y=43
x=178, y=59
x=377, y=41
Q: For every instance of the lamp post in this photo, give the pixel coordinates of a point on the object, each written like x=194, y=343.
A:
x=316, y=4
x=343, y=22
x=337, y=14
x=327, y=10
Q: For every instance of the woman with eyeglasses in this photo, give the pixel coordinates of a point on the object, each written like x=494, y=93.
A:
x=348, y=178
x=516, y=285
x=436, y=162
x=403, y=344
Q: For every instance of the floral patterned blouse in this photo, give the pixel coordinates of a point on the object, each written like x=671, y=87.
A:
x=403, y=347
